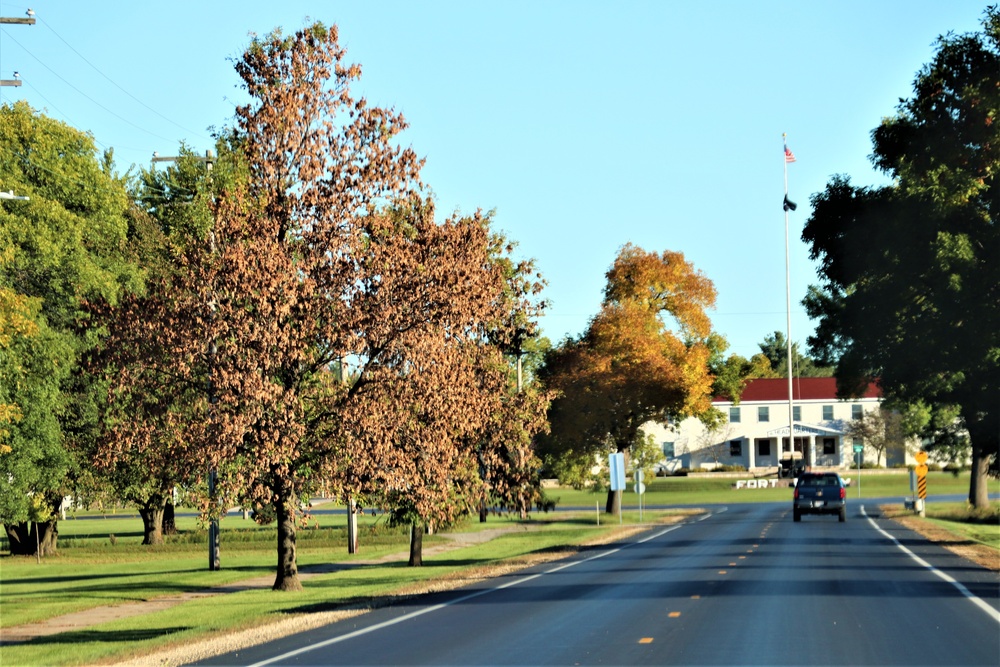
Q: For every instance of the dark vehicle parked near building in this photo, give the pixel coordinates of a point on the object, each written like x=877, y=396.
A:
x=819, y=493
x=791, y=465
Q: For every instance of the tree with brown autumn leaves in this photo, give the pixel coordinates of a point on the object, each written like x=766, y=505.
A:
x=321, y=251
x=645, y=357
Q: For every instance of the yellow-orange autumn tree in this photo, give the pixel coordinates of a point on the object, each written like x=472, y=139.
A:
x=322, y=250
x=645, y=357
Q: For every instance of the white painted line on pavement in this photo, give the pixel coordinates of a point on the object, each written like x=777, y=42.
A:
x=979, y=602
x=464, y=598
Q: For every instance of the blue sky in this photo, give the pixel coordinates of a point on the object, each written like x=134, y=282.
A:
x=585, y=125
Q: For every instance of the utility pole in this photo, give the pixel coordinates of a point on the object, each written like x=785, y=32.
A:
x=30, y=20
x=214, y=560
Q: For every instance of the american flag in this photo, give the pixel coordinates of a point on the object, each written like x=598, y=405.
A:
x=789, y=157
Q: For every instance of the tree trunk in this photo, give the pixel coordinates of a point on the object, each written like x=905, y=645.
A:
x=169, y=522
x=287, y=577
x=979, y=490
x=152, y=520
x=614, y=503
x=984, y=431
x=31, y=538
x=416, y=544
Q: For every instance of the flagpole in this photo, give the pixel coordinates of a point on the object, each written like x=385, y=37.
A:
x=788, y=309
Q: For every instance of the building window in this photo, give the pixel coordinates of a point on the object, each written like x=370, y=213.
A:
x=668, y=450
x=856, y=412
x=734, y=415
x=797, y=413
x=763, y=414
x=829, y=446
x=736, y=448
x=763, y=448
x=828, y=412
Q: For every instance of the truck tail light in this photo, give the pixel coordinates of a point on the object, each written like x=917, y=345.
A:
x=795, y=494
x=843, y=493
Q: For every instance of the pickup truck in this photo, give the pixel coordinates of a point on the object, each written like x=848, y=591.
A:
x=819, y=493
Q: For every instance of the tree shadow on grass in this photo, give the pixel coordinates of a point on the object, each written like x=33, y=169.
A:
x=102, y=636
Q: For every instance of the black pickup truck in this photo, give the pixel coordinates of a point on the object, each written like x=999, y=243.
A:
x=819, y=493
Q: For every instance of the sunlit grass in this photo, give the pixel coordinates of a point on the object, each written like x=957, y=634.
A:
x=979, y=525
x=72, y=581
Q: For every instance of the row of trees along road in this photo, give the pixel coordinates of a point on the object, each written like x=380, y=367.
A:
x=305, y=321
x=910, y=291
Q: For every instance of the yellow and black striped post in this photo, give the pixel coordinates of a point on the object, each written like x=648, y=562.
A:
x=921, y=472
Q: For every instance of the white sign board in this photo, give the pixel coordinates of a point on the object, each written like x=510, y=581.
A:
x=616, y=463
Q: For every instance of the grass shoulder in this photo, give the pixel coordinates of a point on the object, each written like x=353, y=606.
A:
x=970, y=533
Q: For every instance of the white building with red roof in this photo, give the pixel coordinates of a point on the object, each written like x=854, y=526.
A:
x=755, y=431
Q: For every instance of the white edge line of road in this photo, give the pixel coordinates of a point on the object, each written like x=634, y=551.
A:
x=979, y=602
x=427, y=610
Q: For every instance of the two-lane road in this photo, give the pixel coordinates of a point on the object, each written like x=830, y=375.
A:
x=742, y=586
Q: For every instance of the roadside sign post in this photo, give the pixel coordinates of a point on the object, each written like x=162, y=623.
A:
x=859, y=454
x=616, y=464
x=920, y=470
x=640, y=489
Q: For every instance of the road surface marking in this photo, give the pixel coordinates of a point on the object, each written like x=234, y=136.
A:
x=420, y=612
x=646, y=640
x=941, y=575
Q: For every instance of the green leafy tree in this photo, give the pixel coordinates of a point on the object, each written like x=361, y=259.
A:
x=67, y=243
x=881, y=430
x=731, y=374
x=775, y=349
x=910, y=293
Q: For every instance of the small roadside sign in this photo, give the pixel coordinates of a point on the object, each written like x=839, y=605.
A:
x=616, y=462
x=858, y=449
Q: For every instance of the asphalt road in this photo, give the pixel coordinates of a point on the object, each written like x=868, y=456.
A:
x=742, y=586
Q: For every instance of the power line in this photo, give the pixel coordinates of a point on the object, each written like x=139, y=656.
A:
x=58, y=76
x=115, y=84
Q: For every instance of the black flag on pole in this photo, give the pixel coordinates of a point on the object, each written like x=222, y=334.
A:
x=789, y=205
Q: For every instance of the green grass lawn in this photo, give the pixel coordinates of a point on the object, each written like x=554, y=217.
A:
x=101, y=562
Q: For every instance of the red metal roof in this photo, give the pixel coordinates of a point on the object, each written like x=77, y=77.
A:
x=803, y=389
